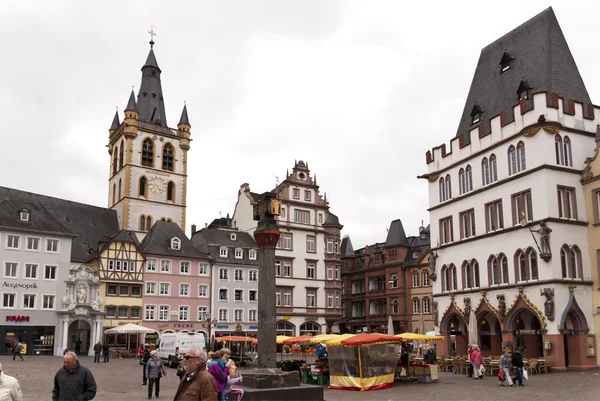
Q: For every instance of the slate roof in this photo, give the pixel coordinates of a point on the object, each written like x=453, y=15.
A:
x=184, y=120
x=89, y=223
x=332, y=220
x=158, y=242
x=212, y=238
x=346, y=248
x=396, y=234
x=115, y=123
x=131, y=103
x=123, y=235
x=40, y=220
x=419, y=244
x=540, y=57
x=150, y=101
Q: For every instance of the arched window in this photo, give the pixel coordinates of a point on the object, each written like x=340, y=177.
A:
x=114, y=193
x=442, y=190
x=453, y=278
x=498, y=270
x=395, y=306
x=448, y=187
x=493, y=168
x=558, y=150
x=576, y=268
x=167, y=157
x=171, y=191
x=533, y=266
x=285, y=329
x=521, y=163
x=148, y=222
x=148, y=153
x=512, y=160
x=121, y=154
x=444, y=275
x=469, y=179
x=467, y=275
x=119, y=197
x=570, y=262
x=394, y=281
x=567, y=152
x=310, y=329
x=564, y=260
x=485, y=171
x=462, y=184
x=416, y=307
x=494, y=272
x=504, y=265
x=475, y=269
x=143, y=186
x=521, y=266
x=142, y=224
x=116, y=160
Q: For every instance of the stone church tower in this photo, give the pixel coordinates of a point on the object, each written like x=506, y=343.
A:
x=148, y=171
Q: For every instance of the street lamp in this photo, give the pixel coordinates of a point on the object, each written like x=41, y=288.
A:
x=209, y=323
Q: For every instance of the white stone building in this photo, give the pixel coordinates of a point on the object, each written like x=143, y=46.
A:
x=527, y=128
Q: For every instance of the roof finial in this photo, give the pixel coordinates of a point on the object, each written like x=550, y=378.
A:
x=152, y=35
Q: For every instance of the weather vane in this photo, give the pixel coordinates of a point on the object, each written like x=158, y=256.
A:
x=152, y=35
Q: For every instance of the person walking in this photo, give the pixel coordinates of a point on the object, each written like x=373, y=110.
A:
x=16, y=351
x=154, y=371
x=197, y=384
x=97, y=350
x=476, y=360
x=505, y=361
x=220, y=372
x=10, y=390
x=105, y=349
x=144, y=361
x=73, y=382
x=517, y=362
x=78, y=344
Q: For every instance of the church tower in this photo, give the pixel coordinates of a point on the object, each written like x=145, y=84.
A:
x=148, y=169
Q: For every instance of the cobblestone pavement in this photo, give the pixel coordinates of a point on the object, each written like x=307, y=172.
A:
x=121, y=380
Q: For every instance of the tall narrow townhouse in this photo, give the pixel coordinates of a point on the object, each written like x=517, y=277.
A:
x=308, y=257
x=507, y=206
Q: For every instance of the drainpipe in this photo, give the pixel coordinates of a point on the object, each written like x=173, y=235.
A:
x=405, y=296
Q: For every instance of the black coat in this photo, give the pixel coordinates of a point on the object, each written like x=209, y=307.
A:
x=517, y=360
x=78, y=385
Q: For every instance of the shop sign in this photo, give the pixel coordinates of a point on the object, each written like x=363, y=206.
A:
x=184, y=325
x=253, y=327
x=525, y=332
x=32, y=286
x=222, y=326
x=311, y=318
x=284, y=317
x=16, y=318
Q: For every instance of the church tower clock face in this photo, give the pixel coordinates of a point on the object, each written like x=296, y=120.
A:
x=157, y=185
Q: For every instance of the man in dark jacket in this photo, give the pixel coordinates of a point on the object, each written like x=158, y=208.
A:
x=105, y=349
x=197, y=384
x=73, y=382
x=97, y=350
x=517, y=362
x=143, y=362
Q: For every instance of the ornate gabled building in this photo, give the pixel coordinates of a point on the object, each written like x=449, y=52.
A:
x=148, y=171
x=507, y=208
x=308, y=258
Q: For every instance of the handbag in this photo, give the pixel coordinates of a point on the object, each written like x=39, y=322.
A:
x=501, y=375
x=525, y=375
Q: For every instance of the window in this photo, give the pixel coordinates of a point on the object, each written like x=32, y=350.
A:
x=449, y=278
x=295, y=193
x=171, y=191
x=111, y=311
x=567, y=205
x=150, y=288
x=415, y=279
x=238, y=315
x=31, y=271
x=175, y=244
x=10, y=269
x=203, y=269
x=148, y=153
x=446, y=234
x=50, y=272
x=123, y=312
x=24, y=215
x=526, y=265
x=33, y=244
x=329, y=272
x=426, y=305
x=287, y=268
x=202, y=313
x=282, y=213
x=163, y=312
x=570, y=260
x=142, y=224
x=301, y=216
x=442, y=189
x=562, y=148
x=8, y=300
x=278, y=268
x=165, y=289
x=224, y=274
x=167, y=157
x=165, y=266
x=494, y=219
x=223, y=294
x=252, y=254
x=222, y=315
x=143, y=186
x=310, y=270
x=311, y=296
x=516, y=158
x=28, y=301
x=320, y=218
x=467, y=224
x=425, y=279
x=330, y=300
x=329, y=246
x=121, y=152
x=252, y=296
x=184, y=290
x=395, y=306
x=111, y=289
x=287, y=297
x=223, y=252
x=203, y=291
x=233, y=236
x=118, y=265
x=123, y=291
x=13, y=241
x=485, y=171
x=278, y=297
x=184, y=313
x=48, y=302
x=522, y=207
x=238, y=295
x=307, y=195
x=253, y=275
x=239, y=275
x=416, y=307
x=311, y=243
x=498, y=270
x=252, y=315
x=116, y=161
x=239, y=254
x=136, y=291
x=126, y=265
x=448, y=187
x=148, y=222
x=184, y=267
x=465, y=180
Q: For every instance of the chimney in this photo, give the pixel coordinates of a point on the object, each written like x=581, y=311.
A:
x=193, y=229
x=205, y=225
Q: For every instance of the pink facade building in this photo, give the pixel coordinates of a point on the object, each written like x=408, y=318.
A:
x=176, y=282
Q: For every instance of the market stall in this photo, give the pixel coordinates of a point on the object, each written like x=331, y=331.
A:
x=239, y=357
x=363, y=361
x=417, y=367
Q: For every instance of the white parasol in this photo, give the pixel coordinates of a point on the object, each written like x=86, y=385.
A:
x=390, y=326
x=129, y=328
x=473, y=332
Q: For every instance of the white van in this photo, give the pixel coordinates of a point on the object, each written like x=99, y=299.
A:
x=173, y=346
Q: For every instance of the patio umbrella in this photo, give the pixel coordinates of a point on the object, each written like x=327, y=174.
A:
x=390, y=326
x=130, y=328
x=473, y=335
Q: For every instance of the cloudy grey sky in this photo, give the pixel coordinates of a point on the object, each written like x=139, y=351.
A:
x=359, y=89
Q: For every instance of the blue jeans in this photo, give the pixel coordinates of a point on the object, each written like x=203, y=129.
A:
x=519, y=376
x=96, y=357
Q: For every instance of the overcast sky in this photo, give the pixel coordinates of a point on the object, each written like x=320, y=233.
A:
x=358, y=89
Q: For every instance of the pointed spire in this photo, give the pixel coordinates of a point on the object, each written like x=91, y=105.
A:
x=151, y=103
x=116, y=123
x=151, y=60
x=131, y=104
x=184, y=120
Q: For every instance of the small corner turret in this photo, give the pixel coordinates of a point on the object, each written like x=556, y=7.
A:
x=131, y=117
x=184, y=127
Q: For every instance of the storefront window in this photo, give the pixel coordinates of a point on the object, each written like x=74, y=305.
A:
x=43, y=341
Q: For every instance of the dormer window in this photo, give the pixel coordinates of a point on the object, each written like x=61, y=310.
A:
x=233, y=237
x=175, y=243
x=506, y=62
x=524, y=90
x=415, y=254
x=24, y=215
x=223, y=252
x=239, y=253
x=252, y=254
x=476, y=114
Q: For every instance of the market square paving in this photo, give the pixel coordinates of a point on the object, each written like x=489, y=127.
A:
x=121, y=379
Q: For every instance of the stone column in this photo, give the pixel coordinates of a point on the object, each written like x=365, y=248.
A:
x=65, y=334
x=266, y=236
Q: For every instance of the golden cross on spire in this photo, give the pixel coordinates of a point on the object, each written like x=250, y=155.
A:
x=152, y=35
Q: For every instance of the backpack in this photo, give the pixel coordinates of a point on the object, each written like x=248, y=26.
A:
x=18, y=347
